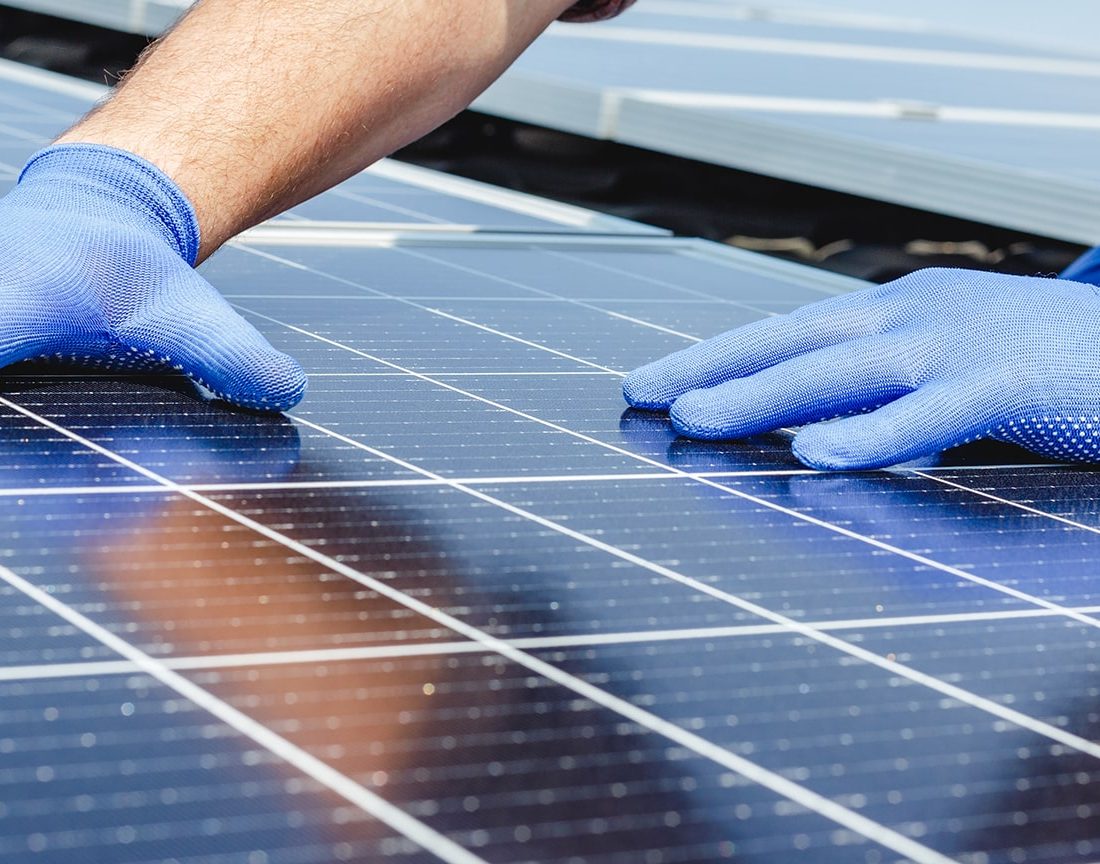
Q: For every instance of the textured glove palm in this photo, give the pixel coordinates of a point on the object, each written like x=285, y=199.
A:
x=933, y=360
x=96, y=255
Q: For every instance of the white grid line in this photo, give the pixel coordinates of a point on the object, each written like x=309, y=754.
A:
x=547, y=295
x=1019, y=505
x=778, y=784
x=115, y=376
x=589, y=372
x=91, y=668
x=451, y=298
x=359, y=197
x=475, y=480
x=389, y=483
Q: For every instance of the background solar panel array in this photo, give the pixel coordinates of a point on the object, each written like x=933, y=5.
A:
x=883, y=100
x=877, y=106
x=460, y=606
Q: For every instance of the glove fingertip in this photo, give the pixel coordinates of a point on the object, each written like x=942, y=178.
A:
x=285, y=383
x=821, y=448
x=642, y=389
x=694, y=415
x=274, y=382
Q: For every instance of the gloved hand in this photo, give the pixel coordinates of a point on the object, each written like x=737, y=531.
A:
x=96, y=255
x=937, y=358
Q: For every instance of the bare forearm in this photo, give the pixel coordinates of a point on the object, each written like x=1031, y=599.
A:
x=252, y=106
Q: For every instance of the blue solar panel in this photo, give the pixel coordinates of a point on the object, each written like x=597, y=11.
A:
x=462, y=606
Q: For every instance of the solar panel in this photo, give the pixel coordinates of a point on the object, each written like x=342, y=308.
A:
x=884, y=102
x=398, y=195
x=461, y=606
x=960, y=125
x=1063, y=25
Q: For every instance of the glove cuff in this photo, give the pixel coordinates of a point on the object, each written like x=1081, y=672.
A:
x=140, y=184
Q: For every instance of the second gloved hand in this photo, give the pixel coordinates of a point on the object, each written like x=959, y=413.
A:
x=96, y=255
x=933, y=360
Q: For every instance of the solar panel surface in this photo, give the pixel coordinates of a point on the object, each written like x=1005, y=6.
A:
x=460, y=606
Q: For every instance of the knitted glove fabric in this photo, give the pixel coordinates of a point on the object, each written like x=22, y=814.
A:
x=96, y=255
x=933, y=360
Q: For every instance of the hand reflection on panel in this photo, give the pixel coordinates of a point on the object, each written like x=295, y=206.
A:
x=651, y=434
x=159, y=423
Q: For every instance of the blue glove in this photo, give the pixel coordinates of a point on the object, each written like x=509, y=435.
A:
x=96, y=255
x=1085, y=269
x=935, y=359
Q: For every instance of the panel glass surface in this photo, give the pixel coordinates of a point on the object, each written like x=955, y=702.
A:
x=464, y=578
x=591, y=62
x=1065, y=153
x=460, y=605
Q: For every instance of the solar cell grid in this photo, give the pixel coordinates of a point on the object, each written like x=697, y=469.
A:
x=133, y=772
x=439, y=541
x=461, y=607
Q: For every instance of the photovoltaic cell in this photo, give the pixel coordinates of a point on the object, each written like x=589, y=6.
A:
x=124, y=770
x=964, y=780
x=477, y=565
x=486, y=780
x=460, y=605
